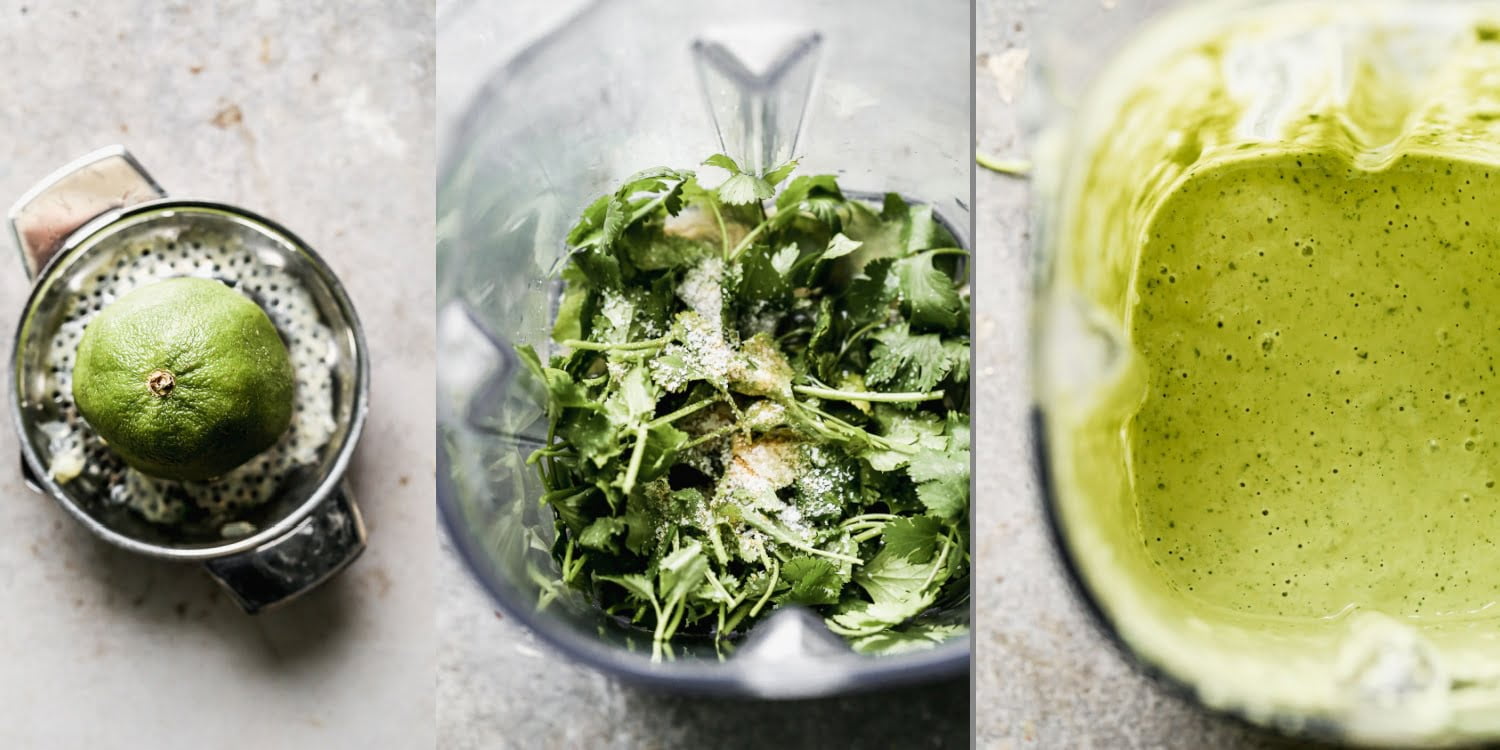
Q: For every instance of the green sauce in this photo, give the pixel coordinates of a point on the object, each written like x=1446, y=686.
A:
x=1321, y=428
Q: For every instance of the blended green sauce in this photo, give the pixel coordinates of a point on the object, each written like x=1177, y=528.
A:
x=1322, y=425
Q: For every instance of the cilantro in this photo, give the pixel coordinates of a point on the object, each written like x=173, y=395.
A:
x=914, y=538
x=915, y=362
x=942, y=476
x=813, y=581
x=758, y=400
x=927, y=294
x=903, y=640
x=743, y=188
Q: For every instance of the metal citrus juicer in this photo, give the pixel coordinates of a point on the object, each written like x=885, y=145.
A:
x=674, y=84
x=100, y=225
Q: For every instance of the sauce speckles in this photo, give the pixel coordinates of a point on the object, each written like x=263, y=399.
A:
x=1321, y=427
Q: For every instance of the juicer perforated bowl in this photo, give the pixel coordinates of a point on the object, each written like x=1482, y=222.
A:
x=100, y=227
x=619, y=88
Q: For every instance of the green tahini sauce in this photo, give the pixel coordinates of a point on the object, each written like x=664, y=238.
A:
x=1322, y=424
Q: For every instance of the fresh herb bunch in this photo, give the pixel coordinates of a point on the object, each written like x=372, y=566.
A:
x=762, y=400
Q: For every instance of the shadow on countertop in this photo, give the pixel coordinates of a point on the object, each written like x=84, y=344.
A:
x=178, y=601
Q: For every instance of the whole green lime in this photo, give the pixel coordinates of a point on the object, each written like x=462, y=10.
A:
x=184, y=379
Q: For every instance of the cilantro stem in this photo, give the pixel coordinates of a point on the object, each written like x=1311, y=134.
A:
x=849, y=342
x=794, y=332
x=869, y=517
x=735, y=617
x=718, y=586
x=704, y=438
x=868, y=534
x=770, y=587
x=636, y=454
x=718, y=545
x=676, y=618
x=748, y=238
x=560, y=497
x=647, y=208
x=713, y=203
x=551, y=451
x=769, y=529
x=942, y=561
x=680, y=413
x=660, y=634
x=1011, y=167
x=628, y=346
x=888, y=398
x=849, y=431
x=567, y=560
x=661, y=622
x=945, y=251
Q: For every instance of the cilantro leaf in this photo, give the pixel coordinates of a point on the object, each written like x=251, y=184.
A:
x=942, y=477
x=914, y=538
x=927, y=293
x=921, y=231
x=897, y=582
x=784, y=258
x=592, y=434
x=761, y=369
x=682, y=571
x=743, y=189
x=572, y=308
x=871, y=293
x=562, y=391
x=723, y=162
x=601, y=533
x=814, y=581
x=840, y=246
x=818, y=195
x=637, y=584
x=590, y=223
x=915, y=637
x=777, y=174
x=909, y=362
x=656, y=251
x=760, y=281
x=599, y=265
x=662, y=444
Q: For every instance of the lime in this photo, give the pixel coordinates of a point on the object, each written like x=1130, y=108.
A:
x=184, y=379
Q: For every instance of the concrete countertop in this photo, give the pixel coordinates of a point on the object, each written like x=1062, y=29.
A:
x=320, y=116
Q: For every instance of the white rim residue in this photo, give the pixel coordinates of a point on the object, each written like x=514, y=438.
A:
x=146, y=255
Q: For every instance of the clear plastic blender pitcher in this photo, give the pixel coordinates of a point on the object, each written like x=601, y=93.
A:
x=875, y=92
x=1371, y=82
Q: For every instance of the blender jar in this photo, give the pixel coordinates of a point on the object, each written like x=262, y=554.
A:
x=1205, y=85
x=877, y=93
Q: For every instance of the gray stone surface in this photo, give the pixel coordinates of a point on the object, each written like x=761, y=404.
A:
x=1045, y=677
x=319, y=115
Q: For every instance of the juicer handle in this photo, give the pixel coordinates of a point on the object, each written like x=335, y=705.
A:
x=80, y=191
x=284, y=569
